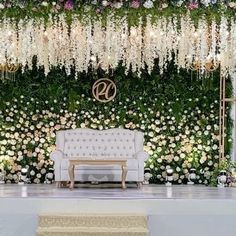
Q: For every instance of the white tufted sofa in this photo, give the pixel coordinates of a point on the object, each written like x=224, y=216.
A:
x=95, y=144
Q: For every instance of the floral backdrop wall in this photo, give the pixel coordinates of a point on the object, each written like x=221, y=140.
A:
x=178, y=113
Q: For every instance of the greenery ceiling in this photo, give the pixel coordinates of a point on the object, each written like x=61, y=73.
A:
x=133, y=8
x=80, y=34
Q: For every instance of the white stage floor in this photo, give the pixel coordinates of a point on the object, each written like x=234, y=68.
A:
x=109, y=191
x=172, y=211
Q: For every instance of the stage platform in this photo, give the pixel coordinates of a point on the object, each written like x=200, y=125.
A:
x=178, y=210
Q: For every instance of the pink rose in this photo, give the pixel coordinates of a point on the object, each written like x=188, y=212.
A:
x=135, y=4
x=69, y=5
x=193, y=5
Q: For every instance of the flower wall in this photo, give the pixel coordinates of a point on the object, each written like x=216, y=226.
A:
x=178, y=112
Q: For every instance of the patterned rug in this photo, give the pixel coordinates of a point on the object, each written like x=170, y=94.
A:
x=93, y=225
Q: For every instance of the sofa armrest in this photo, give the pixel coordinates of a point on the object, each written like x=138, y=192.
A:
x=57, y=157
x=142, y=155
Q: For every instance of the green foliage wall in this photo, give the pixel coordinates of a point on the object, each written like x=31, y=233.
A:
x=178, y=112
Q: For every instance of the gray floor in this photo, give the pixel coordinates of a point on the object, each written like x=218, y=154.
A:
x=105, y=191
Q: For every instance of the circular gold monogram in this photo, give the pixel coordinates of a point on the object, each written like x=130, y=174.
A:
x=104, y=90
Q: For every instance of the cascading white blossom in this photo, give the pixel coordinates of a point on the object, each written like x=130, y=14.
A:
x=85, y=43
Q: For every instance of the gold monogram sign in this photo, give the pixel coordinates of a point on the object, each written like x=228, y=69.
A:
x=104, y=90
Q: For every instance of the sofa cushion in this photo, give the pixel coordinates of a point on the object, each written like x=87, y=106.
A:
x=131, y=163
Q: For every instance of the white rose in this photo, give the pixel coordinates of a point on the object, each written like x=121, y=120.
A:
x=210, y=163
x=208, y=127
x=150, y=152
x=206, y=132
x=148, y=4
x=15, y=177
x=214, y=147
x=176, y=158
x=43, y=171
x=163, y=142
x=158, y=176
x=38, y=175
x=51, y=123
x=177, y=138
x=203, y=159
x=232, y=4
x=173, y=145
x=82, y=125
x=36, y=139
x=175, y=176
x=182, y=155
x=150, y=134
x=105, y=3
x=20, y=158
x=117, y=5
x=199, y=147
x=164, y=5
x=179, y=3
x=4, y=142
x=37, y=181
x=178, y=169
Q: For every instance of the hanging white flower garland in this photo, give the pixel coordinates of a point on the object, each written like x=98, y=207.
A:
x=84, y=43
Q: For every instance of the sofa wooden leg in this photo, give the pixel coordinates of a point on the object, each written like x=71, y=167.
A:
x=58, y=184
x=139, y=184
x=124, y=174
x=71, y=170
x=64, y=184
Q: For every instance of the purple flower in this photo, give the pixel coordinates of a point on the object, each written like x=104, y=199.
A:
x=135, y=4
x=98, y=10
x=69, y=5
x=193, y=5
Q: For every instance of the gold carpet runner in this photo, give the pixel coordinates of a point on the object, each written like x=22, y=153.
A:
x=92, y=225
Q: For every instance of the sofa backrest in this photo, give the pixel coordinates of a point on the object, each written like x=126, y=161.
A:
x=99, y=144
